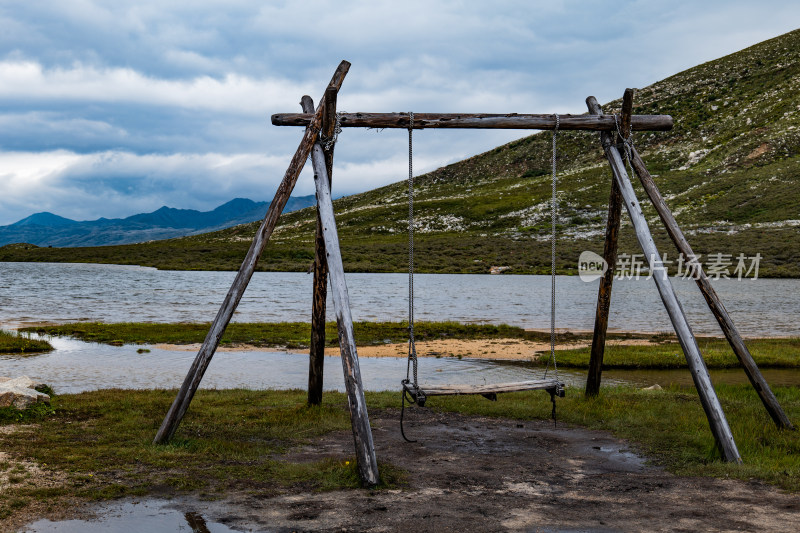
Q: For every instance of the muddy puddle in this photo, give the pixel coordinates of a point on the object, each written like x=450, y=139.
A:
x=152, y=515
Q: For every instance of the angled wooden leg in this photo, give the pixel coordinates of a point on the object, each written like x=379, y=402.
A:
x=708, y=396
x=362, y=432
x=712, y=299
x=316, y=359
x=235, y=293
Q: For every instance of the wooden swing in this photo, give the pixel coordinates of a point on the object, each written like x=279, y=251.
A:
x=322, y=123
x=418, y=394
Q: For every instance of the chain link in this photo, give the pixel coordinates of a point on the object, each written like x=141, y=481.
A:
x=329, y=142
x=627, y=143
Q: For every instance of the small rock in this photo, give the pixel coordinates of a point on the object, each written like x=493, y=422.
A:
x=653, y=387
x=20, y=393
x=498, y=269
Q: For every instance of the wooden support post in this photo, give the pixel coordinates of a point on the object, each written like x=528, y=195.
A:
x=594, y=374
x=708, y=397
x=483, y=121
x=316, y=354
x=362, y=433
x=714, y=303
x=178, y=408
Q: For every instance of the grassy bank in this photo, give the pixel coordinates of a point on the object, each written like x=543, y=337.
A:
x=11, y=343
x=284, y=334
x=767, y=353
x=97, y=445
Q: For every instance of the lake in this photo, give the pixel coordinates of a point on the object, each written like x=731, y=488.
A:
x=63, y=292
x=42, y=292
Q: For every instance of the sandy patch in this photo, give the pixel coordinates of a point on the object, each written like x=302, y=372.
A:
x=496, y=349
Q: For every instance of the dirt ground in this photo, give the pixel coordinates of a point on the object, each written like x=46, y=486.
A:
x=479, y=474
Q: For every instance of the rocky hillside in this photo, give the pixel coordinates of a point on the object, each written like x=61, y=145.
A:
x=729, y=170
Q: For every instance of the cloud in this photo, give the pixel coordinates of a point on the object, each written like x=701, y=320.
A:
x=233, y=93
x=111, y=108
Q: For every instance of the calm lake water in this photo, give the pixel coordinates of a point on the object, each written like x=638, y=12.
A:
x=31, y=292
x=36, y=292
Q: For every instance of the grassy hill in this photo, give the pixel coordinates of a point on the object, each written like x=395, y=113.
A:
x=729, y=170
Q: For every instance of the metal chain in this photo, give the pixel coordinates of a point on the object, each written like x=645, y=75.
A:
x=627, y=144
x=553, y=217
x=329, y=142
x=412, y=350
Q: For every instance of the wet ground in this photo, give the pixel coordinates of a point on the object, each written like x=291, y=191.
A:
x=479, y=474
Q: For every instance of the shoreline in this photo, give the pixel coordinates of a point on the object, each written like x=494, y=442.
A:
x=532, y=346
x=15, y=325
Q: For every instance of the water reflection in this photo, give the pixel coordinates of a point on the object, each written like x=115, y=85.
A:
x=196, y=522
x=137, y=516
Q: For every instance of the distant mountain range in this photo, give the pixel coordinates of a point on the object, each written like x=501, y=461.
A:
x=48, y=229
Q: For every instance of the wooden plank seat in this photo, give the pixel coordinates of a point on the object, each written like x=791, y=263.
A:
x=490, y=391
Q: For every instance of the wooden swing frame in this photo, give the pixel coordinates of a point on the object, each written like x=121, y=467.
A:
x=328, y=263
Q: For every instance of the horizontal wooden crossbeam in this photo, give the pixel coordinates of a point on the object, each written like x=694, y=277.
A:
x=483, y=121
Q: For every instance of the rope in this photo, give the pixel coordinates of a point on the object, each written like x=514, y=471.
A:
x=553, y=217
x=402, y=414
x=412, y=349
x=411, y=364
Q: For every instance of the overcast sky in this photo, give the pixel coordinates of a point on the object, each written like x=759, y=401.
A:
x=119, y=107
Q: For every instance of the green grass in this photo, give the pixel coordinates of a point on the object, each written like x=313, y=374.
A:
x=767, y=353
x=230, y=439
x=289, y=334
x=35, y=413
x=238, y=439
x=13, y=343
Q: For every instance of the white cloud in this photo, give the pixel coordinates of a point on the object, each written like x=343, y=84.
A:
x=28, y=80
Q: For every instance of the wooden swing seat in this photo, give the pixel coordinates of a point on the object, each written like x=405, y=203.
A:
x=489, y=391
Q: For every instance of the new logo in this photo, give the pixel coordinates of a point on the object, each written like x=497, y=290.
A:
x=591, y=266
